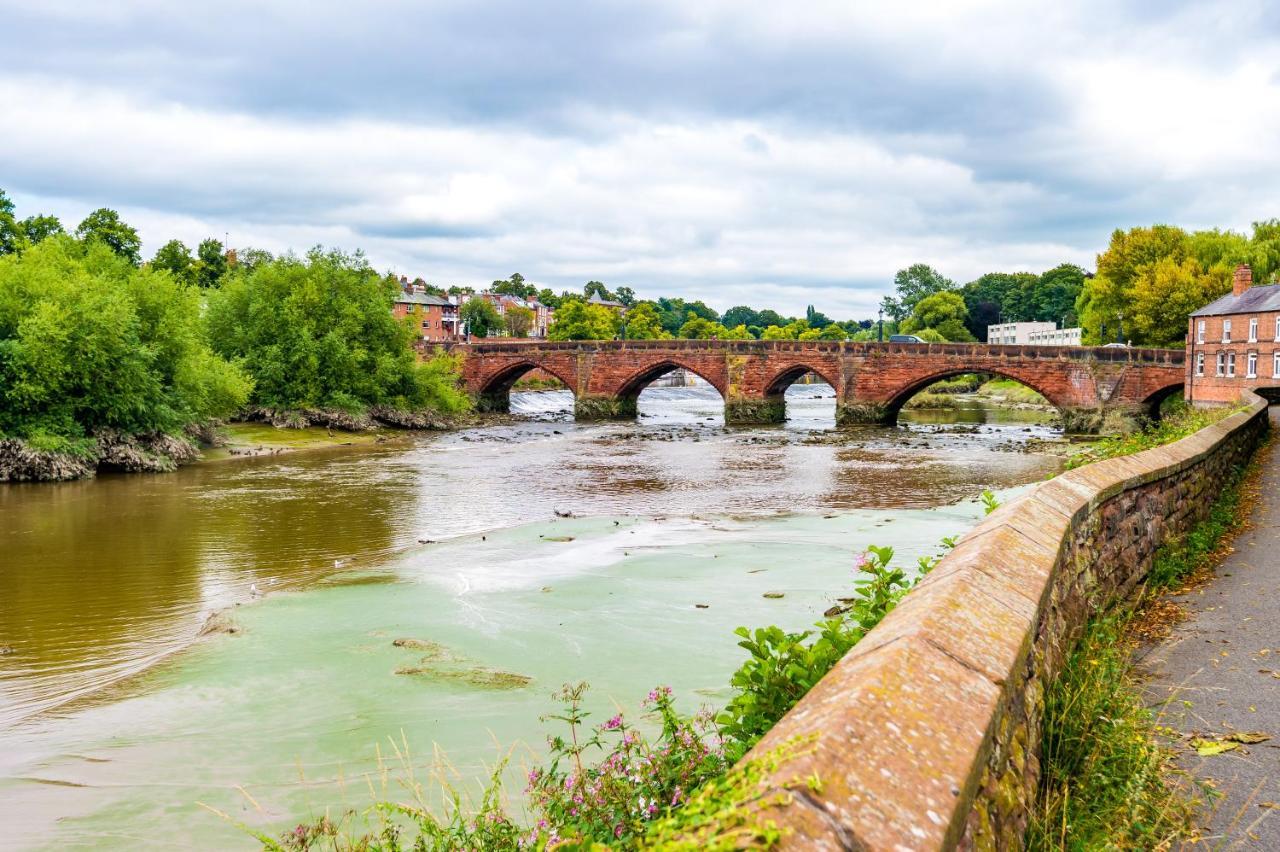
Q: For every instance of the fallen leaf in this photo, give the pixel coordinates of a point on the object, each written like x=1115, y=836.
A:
x=1248, y=737
x=1208, y=748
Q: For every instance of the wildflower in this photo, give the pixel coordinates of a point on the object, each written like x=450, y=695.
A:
x=863, y=562
x=614, y=723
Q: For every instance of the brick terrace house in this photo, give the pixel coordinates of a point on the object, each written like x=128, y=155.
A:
x=541, y=313
x=435, y=317
x=1234, y=343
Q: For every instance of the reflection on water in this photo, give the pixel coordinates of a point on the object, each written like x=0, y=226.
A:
x=101, y=579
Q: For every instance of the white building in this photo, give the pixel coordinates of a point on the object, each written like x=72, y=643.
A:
x=1056, y=337
x=1016, y=333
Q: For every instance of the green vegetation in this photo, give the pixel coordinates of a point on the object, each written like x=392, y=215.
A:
x=1177, y=422
x=317, y=333
x=944, y=313
x=1011, y=392
x=576, y=320
x=480, y=316
x=1149, y=279
x=1108, y=779
x=89, y=342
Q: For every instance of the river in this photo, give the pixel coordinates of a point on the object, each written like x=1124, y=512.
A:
x=117, y=723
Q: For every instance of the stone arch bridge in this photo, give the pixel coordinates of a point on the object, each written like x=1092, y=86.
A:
x=871, y=380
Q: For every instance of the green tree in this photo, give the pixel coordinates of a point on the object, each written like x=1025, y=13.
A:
x=11, y=236
x=790, y=331
x=1056, y=294
x=89, y=342
x=913, y=284
x=597, y=289
x=211, y=263
x=105, y=226
x=480, y=316
x=576, y=320
x=741, y=315
x=40, y=227
x=175, y=258
x=944, y=312
x=318, y=333
x=816, y=319
x=643, y=322
x=518, y=321
x=548, y=298
x=514, y=286
x=625, y=295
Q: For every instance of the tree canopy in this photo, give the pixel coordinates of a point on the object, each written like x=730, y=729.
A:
x=318, y=332
x=943, y=312
x=90, y=342
x=577, y=320
x=104, y=225
x=480, y=316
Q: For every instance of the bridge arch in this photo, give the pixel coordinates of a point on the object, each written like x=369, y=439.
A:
x=627, y=395
x=494, y=391
x=774, y=406
x=1153, y=402
x=899, y=399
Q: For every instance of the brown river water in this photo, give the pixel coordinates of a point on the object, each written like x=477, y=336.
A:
x=117, y=722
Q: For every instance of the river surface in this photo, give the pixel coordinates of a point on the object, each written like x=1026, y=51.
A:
x=121, y=729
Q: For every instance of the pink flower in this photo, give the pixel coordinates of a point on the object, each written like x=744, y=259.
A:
x=614, y=723
x=863, y=562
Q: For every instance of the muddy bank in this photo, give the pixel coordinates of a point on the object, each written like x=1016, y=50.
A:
x=156, y=453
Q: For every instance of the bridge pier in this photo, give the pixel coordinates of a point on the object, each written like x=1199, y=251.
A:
x=865, y=413
x=754, y=412
x=603, y=407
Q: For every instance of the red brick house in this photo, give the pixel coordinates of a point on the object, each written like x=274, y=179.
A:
x=1234, y=343
x=435, y=318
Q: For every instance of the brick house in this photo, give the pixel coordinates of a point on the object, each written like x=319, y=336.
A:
x=541, y=313
x=1233, y=343
x=435, y=317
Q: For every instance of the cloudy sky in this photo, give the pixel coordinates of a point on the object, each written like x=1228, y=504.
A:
x=774, y=154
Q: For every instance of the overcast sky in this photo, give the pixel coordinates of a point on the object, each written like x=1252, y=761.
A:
x=774, y=154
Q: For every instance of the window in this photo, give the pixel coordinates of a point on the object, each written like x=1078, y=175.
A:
x=1275, y=364
x=1251, y=371
x=1222, y=361
x=1200, y=363
x=1231, y=365
x=1226, y=331
x=1253, y=329
x=426, y=323
x=1200, y=330
x=1278, y=328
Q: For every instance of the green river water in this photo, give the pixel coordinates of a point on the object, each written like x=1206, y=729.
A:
x=117, y=720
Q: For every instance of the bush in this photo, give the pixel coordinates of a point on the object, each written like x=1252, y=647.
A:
x=88, y=343
x=318, y=333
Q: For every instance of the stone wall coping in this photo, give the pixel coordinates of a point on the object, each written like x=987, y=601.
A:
x=904, y=722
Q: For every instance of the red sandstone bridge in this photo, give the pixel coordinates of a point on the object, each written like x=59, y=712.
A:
x=871, y=380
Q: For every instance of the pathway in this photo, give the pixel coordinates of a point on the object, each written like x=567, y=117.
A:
x=1220, y=673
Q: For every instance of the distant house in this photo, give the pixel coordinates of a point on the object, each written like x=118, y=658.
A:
x=541, y=313
x=1233, y=343
x=1016, y=333
x=1056, y=337
x=435, y=317
x=607, y=303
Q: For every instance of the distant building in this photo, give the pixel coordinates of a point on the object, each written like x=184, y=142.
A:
x=435, y=317
x=541, y=313
x=607, y=303
x=1016, y=333
x=1233, y=343
x=1056, y=337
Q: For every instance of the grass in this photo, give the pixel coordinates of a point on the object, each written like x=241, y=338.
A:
x=1011, y=391
x=929, y=399
x=1108, y=779
x=1174, y=424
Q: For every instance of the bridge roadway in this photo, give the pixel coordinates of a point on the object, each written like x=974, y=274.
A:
x=872, y=380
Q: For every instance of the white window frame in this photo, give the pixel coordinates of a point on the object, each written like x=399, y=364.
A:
x=1221, y=364
x=1231, y=365
x=1275, y=364
x=1200, y=363
x=1253, y=329
x=1200, y=330
x=1277, y=328
x=1251, y=366
x=1226, y=331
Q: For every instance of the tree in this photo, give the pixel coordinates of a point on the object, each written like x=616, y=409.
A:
x=1056, y=294
x=514, y=286
x=740, y=315
x=626, y=296
x=11, y=237
x=944, y=312
x=548, y=298
x=175, y=258
x=89, y=342
x=913, y=284
x=790, y=331
x=597, y=289
x=318, y=333
x=480, y=316
x=643, y=322
x=769, y=317
x=518, y=321
x=211, y=263
x=576, y=320
x=40, y=227
x=1165, y=293
x=105, y=226
x=248, y=259
x=816, y=319
x=675, y=312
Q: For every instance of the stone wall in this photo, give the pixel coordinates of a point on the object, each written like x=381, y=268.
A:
x=928, y=731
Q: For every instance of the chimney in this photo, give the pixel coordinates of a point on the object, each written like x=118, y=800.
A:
x=1243, y=279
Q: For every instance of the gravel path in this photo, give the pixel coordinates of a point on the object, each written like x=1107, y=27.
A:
x=1219, y=673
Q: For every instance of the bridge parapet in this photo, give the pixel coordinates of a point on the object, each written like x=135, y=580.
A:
x=872, y=380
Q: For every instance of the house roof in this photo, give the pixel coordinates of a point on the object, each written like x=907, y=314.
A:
x=422, y=299
x=1254, y=300
x=596, y=300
